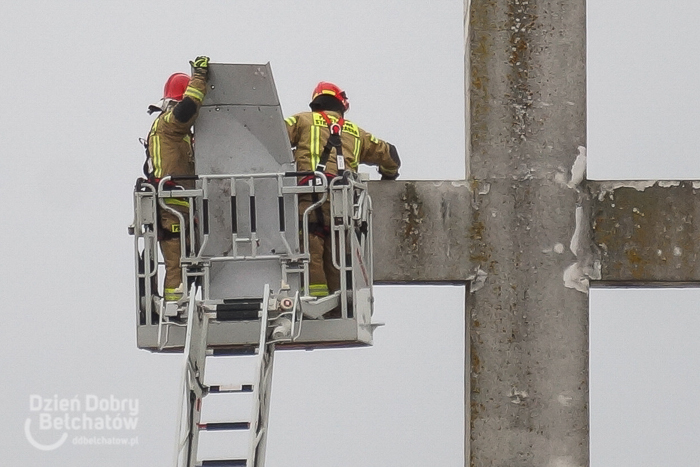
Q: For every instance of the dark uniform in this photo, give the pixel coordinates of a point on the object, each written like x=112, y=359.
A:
x=308, y=134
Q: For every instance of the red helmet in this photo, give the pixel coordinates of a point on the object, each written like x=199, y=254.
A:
x=175, y=86
x=331, y=89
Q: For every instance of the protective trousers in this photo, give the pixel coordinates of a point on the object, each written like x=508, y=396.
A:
x=324, y=278
x=170, y=247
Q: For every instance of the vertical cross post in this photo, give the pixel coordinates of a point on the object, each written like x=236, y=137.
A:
x=529, y=323
x=529, y=233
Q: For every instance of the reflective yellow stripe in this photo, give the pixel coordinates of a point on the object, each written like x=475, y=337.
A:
x=318, y=290
x=155, y=155
x=373, y=139
x=178, y=202
x=315, y=146
x=356, y=152
x=320, y=121
x=291, y=121
x=154, y=150
x=172, y=295
x=194, y=93
x=351, y=128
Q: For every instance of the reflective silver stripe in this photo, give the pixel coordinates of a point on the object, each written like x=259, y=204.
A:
x=172, y=294
x=154, y=150
x=315, y=147
x=318, y=290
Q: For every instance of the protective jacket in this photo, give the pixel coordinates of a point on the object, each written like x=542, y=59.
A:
x=309, y=132
x=170, y=138
x=170, y=152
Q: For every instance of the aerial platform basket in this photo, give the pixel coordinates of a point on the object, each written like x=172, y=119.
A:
x=246, y=236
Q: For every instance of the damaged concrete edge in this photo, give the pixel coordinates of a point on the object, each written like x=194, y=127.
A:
x=608, y=187
x=577, y=172
x=477, y=280
x=587, y=266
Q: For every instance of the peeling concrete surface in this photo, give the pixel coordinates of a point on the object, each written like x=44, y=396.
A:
x=649, y=234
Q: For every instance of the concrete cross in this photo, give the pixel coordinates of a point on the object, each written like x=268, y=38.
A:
x=528, y=233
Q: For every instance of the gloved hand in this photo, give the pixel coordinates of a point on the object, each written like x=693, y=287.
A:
x=390, y=177
x=395, y=157
x=200, y=62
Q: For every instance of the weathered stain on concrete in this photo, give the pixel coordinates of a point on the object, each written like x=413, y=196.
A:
x=412, y=218
x=646, y=231
x=528, y=331
x=420, y=231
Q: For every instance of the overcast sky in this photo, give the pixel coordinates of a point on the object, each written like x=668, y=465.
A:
x=643, y=124
x=78, y=78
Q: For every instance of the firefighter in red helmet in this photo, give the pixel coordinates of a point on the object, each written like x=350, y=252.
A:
x=323, y=140
x=170, y=152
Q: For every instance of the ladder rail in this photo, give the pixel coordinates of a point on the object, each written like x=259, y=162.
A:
x=185, y=383
x=144, y=229
x=261, y=390
x=190, y=231
x=194, y=389
x=338, y=233
x=305, y=226
x=343, y=192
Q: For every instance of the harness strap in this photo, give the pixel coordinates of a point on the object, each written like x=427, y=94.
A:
x=334, y=141
x=147, y=165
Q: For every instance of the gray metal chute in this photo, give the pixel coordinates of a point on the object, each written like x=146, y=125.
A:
x=240, y=130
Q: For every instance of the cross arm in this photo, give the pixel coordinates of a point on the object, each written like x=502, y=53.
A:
x=646, y=231
x=421, y=231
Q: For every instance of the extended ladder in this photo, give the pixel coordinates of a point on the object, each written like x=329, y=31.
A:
x=272, y=330
x=245, y=236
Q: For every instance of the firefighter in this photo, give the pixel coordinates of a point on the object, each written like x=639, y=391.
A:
x=170, y=152
x=322, y=140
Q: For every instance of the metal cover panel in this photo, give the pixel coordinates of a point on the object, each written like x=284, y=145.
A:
x=241, y=130
x=241, y=84
x=242, y=139
x=246, y=279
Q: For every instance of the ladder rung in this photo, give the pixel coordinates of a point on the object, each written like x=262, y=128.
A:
x=233, y=351
x=221, y=388
x=224, y=463
x=220, y=426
